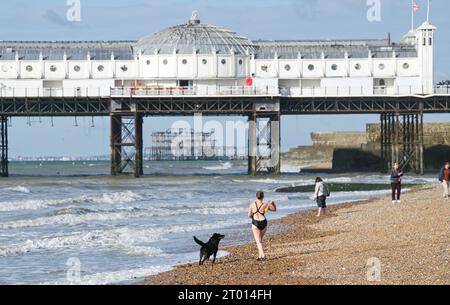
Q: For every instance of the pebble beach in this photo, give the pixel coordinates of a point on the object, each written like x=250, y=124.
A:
x=369, y=242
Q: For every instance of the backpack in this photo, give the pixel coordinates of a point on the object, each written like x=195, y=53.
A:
x=441, y=175
x=326, y=189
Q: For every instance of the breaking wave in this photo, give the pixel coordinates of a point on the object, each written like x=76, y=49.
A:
x=18, y=189
x=123, y=239
x=105, y=198
x=223, y=166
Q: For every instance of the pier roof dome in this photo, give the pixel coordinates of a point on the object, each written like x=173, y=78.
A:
x=194, y=36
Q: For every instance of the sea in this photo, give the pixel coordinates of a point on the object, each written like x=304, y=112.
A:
x=71, y=223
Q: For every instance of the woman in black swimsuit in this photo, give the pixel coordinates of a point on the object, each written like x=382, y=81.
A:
x=256, y=212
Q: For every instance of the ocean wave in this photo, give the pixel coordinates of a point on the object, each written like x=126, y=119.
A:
x=291, y=169
x=123, y=239
x=66, y=219
x=120, y=238
x=73, y=216
x=223, y=166
x=125, y=276
x=72, y=211
x=105, y=198
x=18, y=189
x=112, y=277
x=276, y=181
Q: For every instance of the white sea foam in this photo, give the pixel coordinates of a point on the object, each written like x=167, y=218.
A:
x=18, y=189
x=72, y=216
x=120, y=238
x=68, y=219
x=291, y=169
x=125, y=276
x=113, y=277
x=223, y=166
x=275, y=181
x=35, y=204
x=123, y=239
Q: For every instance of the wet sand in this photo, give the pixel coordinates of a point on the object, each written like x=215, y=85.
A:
x=410, y=241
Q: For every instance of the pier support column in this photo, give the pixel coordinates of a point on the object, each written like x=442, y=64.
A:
x=127, y=144
x=4, y=146
x=264, y=144
x=402, y=141
x=116, y=149
x=252, y=144
x=139, y=146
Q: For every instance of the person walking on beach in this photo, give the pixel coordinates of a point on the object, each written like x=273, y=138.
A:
x=256, y=212
x=396, y=183
x=320, y=196
x=444, y=177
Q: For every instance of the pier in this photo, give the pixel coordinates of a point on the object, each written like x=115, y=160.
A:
x=198, y=68
x=401, y=117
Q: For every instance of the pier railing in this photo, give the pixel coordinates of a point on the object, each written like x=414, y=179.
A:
x=207, y=91
x=197, y=91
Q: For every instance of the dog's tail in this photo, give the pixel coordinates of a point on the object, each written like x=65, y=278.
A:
x=199, y=241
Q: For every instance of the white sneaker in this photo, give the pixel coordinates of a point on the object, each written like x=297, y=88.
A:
x=399, y=201
x=393, y=201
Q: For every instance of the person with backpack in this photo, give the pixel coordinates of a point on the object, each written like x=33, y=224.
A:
x=320, y=196
x=396, y=183
x=444, y=178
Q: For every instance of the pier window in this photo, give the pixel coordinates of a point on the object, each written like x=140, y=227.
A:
x=287, y=68
x=241, y=61
x=224, y=61
x=124, y=68
x=100, y=68
x=204, y=61
x=77, y=68
x=357, y=67
x=311, y=67
x=53, y=68
x=381, y=66
x=334, y=67
x=148, y=62
x=165, y=61
x=29, y=68
x=264, y=68
x=406, y=66
x=184, y=61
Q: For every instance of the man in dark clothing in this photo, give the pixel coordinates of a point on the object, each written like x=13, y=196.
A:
x=396, y=183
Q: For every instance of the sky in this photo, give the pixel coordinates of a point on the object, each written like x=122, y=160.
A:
x=255, y=19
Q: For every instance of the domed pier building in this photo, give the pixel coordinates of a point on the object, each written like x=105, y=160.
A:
x=200, y=68
x=202, y=59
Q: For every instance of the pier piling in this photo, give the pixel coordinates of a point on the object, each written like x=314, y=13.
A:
x=264, y=144
x=4, y=146
x=127, y=144
x=402, y=141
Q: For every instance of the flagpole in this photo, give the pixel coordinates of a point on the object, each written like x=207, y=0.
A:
x=428, y=11
x=412, y=15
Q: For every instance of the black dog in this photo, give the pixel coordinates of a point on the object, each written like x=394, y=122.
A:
x=209, y=248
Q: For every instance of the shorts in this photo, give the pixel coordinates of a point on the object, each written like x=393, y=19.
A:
x=322, y=202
